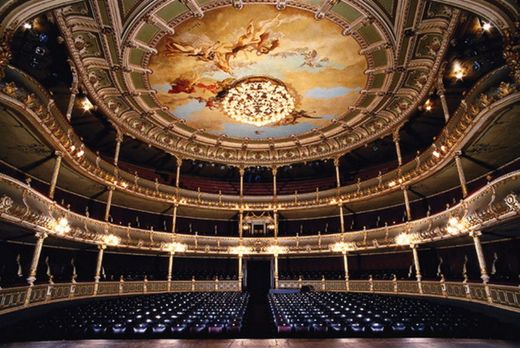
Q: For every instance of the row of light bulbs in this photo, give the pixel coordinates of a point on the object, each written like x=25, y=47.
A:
x=61, y=227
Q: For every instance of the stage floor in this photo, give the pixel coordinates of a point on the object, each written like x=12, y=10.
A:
x=278, y=343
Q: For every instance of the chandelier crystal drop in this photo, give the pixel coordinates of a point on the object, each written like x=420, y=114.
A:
x=258, y=101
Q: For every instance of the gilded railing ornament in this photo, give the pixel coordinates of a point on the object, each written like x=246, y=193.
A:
x=6, y=203
x=512, y=202
x=5, y=56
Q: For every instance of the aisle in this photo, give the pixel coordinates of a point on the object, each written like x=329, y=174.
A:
x=258, y=320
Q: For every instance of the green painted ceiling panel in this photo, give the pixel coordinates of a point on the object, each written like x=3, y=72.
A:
x=147, y=32
x=171, y=10
x=104, y=13
x=136, y=56
x=137, y=79
x=370, y=34
x=378, y=80
x=346, y=11
x=149, y=100
x=366, y=100
x=379, y=58
x=127, y=6
x=388, y=5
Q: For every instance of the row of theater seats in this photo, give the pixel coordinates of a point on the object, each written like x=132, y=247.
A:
x=255, y=189
x=160, y=315
x=348, y=314
x=340, y=275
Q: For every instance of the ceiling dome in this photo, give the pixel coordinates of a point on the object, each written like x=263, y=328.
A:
x=345, y=77
x=195, y=68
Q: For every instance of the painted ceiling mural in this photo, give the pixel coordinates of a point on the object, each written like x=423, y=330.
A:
x=319, y=70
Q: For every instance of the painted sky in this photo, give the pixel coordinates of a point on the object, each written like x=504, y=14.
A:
x=323, y=74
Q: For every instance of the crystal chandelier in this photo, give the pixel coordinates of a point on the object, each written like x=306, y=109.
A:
x=258, y=101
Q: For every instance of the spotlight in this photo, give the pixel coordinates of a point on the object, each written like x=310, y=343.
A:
x=487, y=26
x=86, y=104
x=428, y=105
x=27, y=25
x=458, y=71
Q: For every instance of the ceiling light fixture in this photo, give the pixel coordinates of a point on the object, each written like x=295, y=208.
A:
x=342, y=247
x=62, y=226
x=258, y=101
x=111, y=239
x=406, y=239
x=175, y=247
x=240, y=250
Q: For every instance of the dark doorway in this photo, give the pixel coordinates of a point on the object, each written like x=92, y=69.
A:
x=258, y=276
x=258, y=321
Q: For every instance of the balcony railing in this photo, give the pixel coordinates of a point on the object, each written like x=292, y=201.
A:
x=502, y=296
x=12, y=299
x=26, y=95
x=492, y=204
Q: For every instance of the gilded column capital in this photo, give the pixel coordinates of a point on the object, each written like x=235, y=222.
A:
x=41, y=235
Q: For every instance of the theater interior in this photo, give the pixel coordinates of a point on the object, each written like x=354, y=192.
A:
x=265, y=173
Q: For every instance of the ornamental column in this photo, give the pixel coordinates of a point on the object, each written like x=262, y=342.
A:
x=174, y=217
x=341, y=220
x=345, y=268
x=395, y=137
x=55, y=173
x=109, y=202
x=276, y=280
x=170, y=270
x=275, y=214
x=240, y=273
x=338, y=179
x=275, y=171
x=178, y=177
x=441, y=93
x=417, y=265
x=242, y=172
x=407, y=203
x=462, y=177
x=40, y=237
x=73, y=91
x=481, y=262
x=119, y=140
x=241, y=223
x=99, y=264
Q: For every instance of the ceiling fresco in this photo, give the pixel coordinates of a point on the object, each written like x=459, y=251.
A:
x=180, y=75
x=321, y=70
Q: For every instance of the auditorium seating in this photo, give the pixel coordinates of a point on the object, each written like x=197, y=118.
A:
x=160, y=315
x=364, y=315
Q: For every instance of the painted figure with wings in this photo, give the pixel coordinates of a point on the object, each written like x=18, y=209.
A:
x=255, y=39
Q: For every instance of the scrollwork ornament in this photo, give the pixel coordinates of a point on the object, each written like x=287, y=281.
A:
x=6, y=203
x=512, y=202
x=5, y=56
